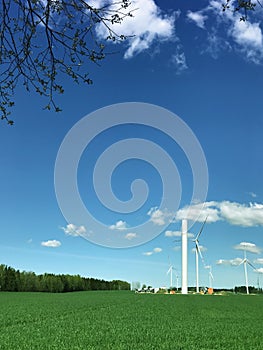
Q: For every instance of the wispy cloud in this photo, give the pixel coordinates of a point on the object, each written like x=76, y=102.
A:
x=148, y=25
x=198, y=18
x=169, y=233
x=73, y=230
x=120, y=226
x=201, y=248
x=178, y=60
x=232, y=262
x=147, y=253
x=215, y=44
x=154, y=251
x=131, y=236
x=244, y=37
x=248, y=247
x=258, y=261
x=157, y=250
x=51, y=243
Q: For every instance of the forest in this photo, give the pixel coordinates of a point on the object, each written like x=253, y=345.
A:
x=12, y=280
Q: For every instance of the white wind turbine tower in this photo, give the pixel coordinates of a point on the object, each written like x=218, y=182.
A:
x=259, y=272
x=197, y=253
x=211, y=277
x=177, y=280
x=184, y=257
x=170, y=270
x=247, y=247
x=246, y=262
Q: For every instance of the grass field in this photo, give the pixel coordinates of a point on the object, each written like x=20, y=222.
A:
x=128, y=321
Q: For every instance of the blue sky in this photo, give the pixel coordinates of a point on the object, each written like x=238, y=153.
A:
x=201, y=65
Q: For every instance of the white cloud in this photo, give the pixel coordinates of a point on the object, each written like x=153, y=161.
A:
x=51, y=243
x=120, y=225
x=247, y=34
x=258, y=261
x=260, y=270
x=242, y=214
x=246, y=215
x=248, y=247
x=157, y=250
x=199, y=212
x=216, y=44
x=148, y=253
x=147, y=25
x=131, y=236
x=159, y=217
x=154, y=251
x=198, y=18
x=178, y=59
x=172, y=233
x=202, y=249
x=156, y=216
x=232, y=262
x=73, y=230
x=244, y=37
x=252, y=194
x=177, y=234
x=97, y=3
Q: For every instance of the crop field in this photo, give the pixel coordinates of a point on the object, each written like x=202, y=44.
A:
x=128, y=321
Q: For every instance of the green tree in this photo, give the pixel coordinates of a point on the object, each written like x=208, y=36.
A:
x=2, y=276
x=10, y=279
x=42, y=39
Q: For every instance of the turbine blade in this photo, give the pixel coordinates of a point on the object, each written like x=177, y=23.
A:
x=202, y=227
x=199, y=252
x=249, y=263
x=242, y=262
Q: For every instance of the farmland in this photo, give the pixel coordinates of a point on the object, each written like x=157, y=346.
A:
x=127, y=321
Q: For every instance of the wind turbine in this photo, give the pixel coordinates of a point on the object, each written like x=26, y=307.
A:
x=170, y=270
x=259, y=272
x=211, y=277
x=246, y=262
x=184, y=258
x=197, y=253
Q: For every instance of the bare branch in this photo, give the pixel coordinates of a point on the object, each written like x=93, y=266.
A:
x=42, y=39
x=241, y=6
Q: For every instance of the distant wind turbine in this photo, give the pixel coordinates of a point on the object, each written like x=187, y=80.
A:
x=211, y=277
x=246, y=262
x=197, y=253
x=171, y=270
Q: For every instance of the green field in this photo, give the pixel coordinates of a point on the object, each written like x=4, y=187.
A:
x=124, y=320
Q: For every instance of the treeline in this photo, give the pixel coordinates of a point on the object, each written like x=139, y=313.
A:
x=12, y=280
x=251, y=289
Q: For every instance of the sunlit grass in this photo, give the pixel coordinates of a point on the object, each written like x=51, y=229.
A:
x=124, y=320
